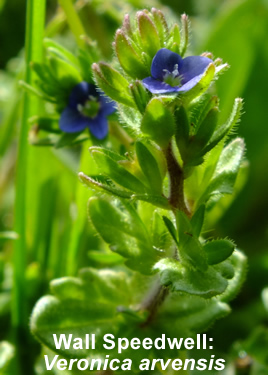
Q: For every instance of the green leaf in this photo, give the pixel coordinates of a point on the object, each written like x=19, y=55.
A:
x=130, y=118
x=225, y=129
x=183, y=279
x=116, y=172
x=64, y=73
x=202, y=320
x=190, y=315
x=111, y=154
x=156, y=200
x=124, y=232
x=112, y=83
x=200, y=108
x=150, y=40
x=46, y=82
x=197, y=220
x=58, y=50
x=99, y=186
x=109, y=284
x=70, y=316
x=190, y=249
x=31, y=90
x=158, y=122
x=70, y=287
x=101, y=258
x=149, y=167
x=205, y=131
x=67, y=139
x=86, y=60
x=226, y=269
x=171, y=228
x=239, y=262
x=218, y=250
x=128, y=58
x=48, y=124
x=226, y=171
x=182, y=131
x=160, y=235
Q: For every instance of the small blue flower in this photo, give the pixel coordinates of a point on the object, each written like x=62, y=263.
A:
x=171, y=73
x=86, y=109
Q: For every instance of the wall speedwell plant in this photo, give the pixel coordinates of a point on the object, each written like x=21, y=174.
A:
x=164, y=276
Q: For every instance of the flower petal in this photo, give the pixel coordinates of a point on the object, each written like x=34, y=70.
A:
x=80, y=94
x=71, y=121
x=190, y=84
x=158, y=87
x=164, y=59
x=193, y=66
x=98, y=126
x=107, y=105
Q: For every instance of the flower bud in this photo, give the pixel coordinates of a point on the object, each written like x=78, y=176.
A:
x=128, y=58
x=150, y=40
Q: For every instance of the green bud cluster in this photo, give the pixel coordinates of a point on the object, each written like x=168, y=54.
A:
x=135, y=45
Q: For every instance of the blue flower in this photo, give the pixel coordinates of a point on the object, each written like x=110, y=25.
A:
x=171, y=73
x=86, y=109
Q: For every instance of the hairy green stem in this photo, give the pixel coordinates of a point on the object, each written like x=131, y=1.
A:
x=176, y=198
x=177, y=201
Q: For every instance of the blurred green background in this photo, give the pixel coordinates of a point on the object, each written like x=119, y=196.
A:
x=236, y=31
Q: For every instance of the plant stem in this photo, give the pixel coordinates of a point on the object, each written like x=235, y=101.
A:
x=73, y=20
x=177, y=201
x=153, y=301
x=176, y=198
x=35, y=19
